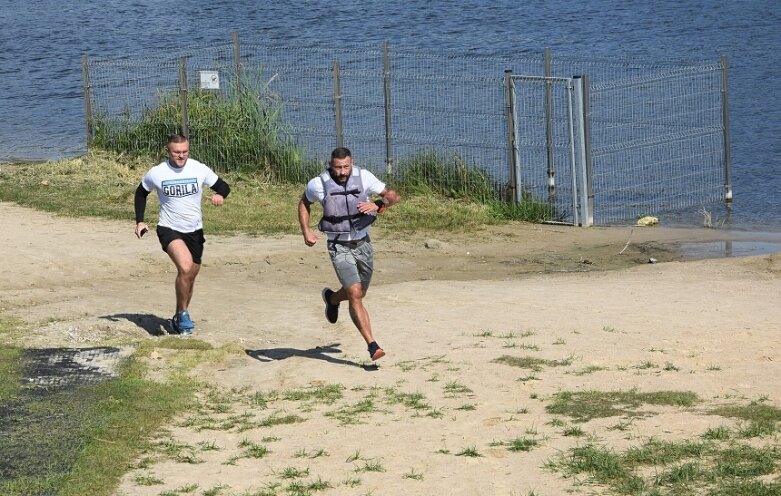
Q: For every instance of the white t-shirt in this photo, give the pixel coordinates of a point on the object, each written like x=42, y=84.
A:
x=372, y=185
x=180, y=191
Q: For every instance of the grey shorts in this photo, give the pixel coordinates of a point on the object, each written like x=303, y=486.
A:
x=353, y=264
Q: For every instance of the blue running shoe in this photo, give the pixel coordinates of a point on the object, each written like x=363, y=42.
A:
x=183, y=324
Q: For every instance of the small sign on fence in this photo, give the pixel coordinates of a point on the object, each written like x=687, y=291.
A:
x=210, y=80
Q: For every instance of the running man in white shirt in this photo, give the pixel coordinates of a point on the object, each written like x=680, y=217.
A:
x=345, y=193
x=179, y=184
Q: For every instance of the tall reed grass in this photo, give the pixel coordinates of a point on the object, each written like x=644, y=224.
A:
x=449, y=175
x=241, y=130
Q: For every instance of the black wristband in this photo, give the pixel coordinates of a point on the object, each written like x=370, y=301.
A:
x=380, y=206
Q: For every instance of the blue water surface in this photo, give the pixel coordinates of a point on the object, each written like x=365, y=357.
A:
x=42, y=41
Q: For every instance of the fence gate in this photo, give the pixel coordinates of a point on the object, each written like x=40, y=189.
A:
x=546, y=139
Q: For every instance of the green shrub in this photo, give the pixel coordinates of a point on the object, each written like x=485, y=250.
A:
x=242, y=130
x=430, y=172
x=447, y=175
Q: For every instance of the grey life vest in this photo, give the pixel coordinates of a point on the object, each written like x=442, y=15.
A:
x=340, y=204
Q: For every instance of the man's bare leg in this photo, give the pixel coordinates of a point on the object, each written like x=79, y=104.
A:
x=187, y=271
x=358, y=313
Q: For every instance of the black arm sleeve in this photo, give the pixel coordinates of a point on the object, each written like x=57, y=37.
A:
x=140, y=203
x=221, y=188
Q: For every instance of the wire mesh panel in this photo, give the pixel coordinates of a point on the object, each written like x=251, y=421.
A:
x=448, y=120
x=446, y=112
x=123, y=93
x=137, y=102
x=303, y=77
x=656, y=143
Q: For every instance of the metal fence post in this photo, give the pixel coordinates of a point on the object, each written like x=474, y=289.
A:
x=237, y=60
x=512, y=142
x=582, y=114
x=725, y=129
x=87, y=99
x=338, y=107
x=572, y=157
x=183, y=97
x=549, y=126
x=387, y=91
x=588, y=184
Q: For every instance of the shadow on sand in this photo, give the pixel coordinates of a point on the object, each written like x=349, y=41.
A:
x=317, y=353
x=152, y=324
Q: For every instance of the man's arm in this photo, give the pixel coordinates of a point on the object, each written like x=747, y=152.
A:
x=222, y=190
x=389, y=197
x=139, y=202
x=304, y=215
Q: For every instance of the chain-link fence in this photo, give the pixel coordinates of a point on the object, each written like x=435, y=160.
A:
x=657, y=142
x=638, y=139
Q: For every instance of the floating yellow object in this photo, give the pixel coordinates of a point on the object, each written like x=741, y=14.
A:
x=648, y=220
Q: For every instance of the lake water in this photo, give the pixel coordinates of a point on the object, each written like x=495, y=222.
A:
x=41, y=43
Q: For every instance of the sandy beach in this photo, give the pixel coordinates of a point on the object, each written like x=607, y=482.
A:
x=439, y=413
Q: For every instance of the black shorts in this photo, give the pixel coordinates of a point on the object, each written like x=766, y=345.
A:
x=193, y=240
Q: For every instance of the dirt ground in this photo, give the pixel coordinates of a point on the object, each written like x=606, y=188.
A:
x=444, y=309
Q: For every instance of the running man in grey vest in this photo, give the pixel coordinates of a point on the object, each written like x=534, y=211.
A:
x=346, y=192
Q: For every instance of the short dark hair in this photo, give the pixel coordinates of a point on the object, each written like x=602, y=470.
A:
x=176, y=138
x=340, y=153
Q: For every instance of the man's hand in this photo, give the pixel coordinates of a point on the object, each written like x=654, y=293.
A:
x=310, y=238
x=141, y=229
x=217, y=200
x=368, y=207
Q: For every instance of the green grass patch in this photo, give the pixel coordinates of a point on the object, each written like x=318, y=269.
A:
x=371, y=466
x=749, y=488
x=522, y=444
x=11, y=331
x=311, y=395
x=81, y=440
x=573, y=431
x=533, y=363
x=762, y=420
x=754, y=412
x=415, y=401
x=184, y=354
x=656, y=467
x=327, y=394
x=583, y=406
x=432, y=173
x=658, y=452
x=455, y=388
x=253, y=450
x=589, y=370
x=604, y=466
x=10, y=372
x=720, y=433
x=102, y=184
x=469, y=452
x=412, y=474
x=353, y=414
